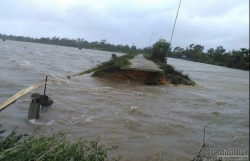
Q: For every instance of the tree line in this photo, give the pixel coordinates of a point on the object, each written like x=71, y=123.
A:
x=238, y=59
x=79, y=43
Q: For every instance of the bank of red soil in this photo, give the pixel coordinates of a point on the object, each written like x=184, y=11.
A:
x=143, y=77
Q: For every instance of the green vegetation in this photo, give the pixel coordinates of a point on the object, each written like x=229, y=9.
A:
x=238, y=59
x=22, y=147
x=78, y=43
x=176, y=77
x=147, y=55
x=158, y=55
x=233, y=59
x=99, y=67
x=159, y=51
x=115, y=63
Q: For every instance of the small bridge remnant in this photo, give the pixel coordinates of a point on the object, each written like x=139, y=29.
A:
x=142, y=64
x=144, y=71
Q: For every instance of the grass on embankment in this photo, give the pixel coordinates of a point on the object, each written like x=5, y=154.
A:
x=172, y=75
x=22, y=147
x=115, y=63
x=176, y=77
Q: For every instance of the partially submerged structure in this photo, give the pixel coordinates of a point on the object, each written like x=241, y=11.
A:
x=140, y=70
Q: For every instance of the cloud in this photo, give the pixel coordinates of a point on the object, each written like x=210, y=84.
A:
x=210, y=23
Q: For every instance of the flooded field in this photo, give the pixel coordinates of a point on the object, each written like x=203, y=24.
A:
x=145, y=122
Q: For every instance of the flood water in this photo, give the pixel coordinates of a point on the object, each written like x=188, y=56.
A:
x=146, y=122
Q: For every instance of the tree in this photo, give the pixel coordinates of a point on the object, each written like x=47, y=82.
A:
x=218, y=54
x=103, y=41
x=210, y=53
x=160, y=49
x=178, y=52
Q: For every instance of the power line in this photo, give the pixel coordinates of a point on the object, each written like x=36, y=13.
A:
x=174, y=26
x=151, y=38
x=175, y=22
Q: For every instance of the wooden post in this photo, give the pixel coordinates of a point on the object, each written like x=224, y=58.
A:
x=45, y=88
x=34, y=106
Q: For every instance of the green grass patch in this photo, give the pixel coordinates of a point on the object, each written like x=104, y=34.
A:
x=174, y=76
x=23, y=147
x=115, y=63
x=147, y=55
x=90, y=70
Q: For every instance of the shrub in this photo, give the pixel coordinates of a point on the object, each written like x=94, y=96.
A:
x=174, y=76
x=114, y=56
x=115, y=63
x=22, y=147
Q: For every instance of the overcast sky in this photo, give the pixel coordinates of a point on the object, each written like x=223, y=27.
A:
x=210, y=23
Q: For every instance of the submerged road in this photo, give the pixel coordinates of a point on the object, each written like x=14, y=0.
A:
x=141, y=63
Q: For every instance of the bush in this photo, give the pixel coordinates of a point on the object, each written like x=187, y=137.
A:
x=147, y=55
x=22, y=147
x=115, y=63
x=114, y=56
x=160, y=49
x=174, y=76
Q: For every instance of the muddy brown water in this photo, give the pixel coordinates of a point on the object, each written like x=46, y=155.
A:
x=145, y=122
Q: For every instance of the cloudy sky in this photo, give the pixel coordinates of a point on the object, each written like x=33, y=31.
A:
x=210, y=23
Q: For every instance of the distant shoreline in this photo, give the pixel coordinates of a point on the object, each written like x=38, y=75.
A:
x=236, y=59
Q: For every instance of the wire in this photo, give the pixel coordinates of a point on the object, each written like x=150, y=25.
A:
x=151, y=38
x=175, y=22
x=174, y=26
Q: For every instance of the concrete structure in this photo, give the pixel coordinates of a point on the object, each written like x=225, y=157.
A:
x=142, y=64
